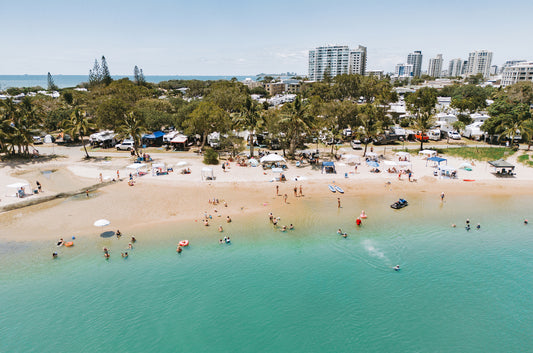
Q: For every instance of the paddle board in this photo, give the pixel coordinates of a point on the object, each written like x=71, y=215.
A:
x=339, y=189
x=332, y=188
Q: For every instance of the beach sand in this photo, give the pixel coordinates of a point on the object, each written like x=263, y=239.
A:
x=177, y=198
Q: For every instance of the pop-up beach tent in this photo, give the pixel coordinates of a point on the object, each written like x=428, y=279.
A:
x=328, y=167
x=437, y=160
x=272, y=158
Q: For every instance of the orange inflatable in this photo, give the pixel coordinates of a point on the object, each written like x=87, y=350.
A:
x=69, y=244
x=184, y=243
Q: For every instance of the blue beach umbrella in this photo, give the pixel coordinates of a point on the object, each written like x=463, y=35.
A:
x=373, y=164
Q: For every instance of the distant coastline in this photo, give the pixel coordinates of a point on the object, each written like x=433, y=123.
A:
x=63, y=81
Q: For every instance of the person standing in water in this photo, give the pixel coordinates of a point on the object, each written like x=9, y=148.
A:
x=442, y=196
x=338, y=202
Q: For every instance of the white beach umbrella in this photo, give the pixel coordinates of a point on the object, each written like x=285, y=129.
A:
x=18, y=185
x=102, y=223
x=182, y=164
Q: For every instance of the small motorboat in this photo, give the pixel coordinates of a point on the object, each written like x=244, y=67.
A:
x=332, y=188
x=401, y=203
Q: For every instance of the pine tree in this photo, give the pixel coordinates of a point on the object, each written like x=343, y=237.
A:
x=95, y=77
x=142, y=81
x=136, y=75
x=51, y=85
x=106, y=76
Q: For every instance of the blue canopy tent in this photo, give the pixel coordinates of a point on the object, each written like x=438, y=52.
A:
x=373, y=164
x=437, y=160
x=329, y=167
x=153, y=139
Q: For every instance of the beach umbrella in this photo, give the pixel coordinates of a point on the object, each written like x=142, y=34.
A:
x=373, y=164
x=182, y=164
x=101, y=223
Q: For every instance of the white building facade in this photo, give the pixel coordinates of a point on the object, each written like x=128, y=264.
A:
x=435, y=66
x=479, y=62
x=358, y=61
x=404, y=71
x=522, y=71
x=334, y=59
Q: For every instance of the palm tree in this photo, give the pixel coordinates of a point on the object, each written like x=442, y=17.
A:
x=132, y=127
x=249, y=118
x=517, y=121
x=296, y=120
x=79, y=125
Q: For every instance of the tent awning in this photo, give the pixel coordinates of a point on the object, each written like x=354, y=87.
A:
x=179, y=139
x=154, y=135
x=500, y=163
x=436, y=159
x=18, y=185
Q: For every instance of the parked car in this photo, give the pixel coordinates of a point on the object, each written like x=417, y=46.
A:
x=421, y=137
x=454, y=135
x=126, y=145
x=356, y=145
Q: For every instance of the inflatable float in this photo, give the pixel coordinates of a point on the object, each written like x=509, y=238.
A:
x=184, y=243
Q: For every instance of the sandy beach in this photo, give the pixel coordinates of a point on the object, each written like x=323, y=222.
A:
x=185, y=197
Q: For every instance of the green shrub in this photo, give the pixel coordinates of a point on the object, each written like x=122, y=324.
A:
x=210, y=156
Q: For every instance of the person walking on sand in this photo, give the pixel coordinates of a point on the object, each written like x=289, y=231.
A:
x=409, y=176
x=285, y=198
x=277, y=190
x=301, y=191
x=295, y=191
x=118, y=175
x=101, y=178
x=39, y=187
x=87, y=192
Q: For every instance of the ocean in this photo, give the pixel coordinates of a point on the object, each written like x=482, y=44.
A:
x=62, y=81
x=306, y=290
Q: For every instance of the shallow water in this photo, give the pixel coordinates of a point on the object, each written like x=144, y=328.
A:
x=306, y=290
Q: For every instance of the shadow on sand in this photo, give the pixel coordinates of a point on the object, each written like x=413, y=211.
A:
x=107, y=234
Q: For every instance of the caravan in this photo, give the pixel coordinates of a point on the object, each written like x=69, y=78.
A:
x=474, y=131
x=434, y=134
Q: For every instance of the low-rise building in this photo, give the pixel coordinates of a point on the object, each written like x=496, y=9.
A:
x=522, y=71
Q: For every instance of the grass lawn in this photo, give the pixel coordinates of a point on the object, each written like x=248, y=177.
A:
x=524, y=159
x=478, y=153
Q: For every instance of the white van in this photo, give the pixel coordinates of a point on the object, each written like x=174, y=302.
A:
x=434, y=134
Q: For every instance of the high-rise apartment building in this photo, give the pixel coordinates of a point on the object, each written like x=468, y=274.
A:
x=415, y=59
x=435, y=66
x=455, y=68
x=358, y=61
x=336, y=60
x=521, y=71
x=479, y=62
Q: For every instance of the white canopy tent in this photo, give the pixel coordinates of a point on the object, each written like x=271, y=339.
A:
x=137, y=167
x=272, y=158
x=428, y=153
x=207, y=173
x=182, y=164
x=403, y=155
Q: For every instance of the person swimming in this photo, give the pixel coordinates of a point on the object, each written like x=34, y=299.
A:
x=54, y=255
x=467, y=227
x=291, y=227
x=284, y=229
x=179, y=250
x=220, y=241
x=525, y=221
x=228, y=219
x=344, y=235
x=339, y=231
x=60, y=242
x=133, y=240
x=396, y=268
x=106, y=255
x=220, y=229
x=130, y=246
x=228, y=240
x=124, y=255
x=478, y=226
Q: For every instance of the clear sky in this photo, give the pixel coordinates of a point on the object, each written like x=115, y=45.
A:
x=246, y=37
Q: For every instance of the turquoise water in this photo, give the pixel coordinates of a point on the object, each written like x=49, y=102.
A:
x=63, y=81
x=307, y=290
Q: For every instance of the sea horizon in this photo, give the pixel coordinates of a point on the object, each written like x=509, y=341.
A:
x=65, y=81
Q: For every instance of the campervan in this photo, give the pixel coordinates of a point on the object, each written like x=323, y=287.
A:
x=434, y=134
x=473, y=131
